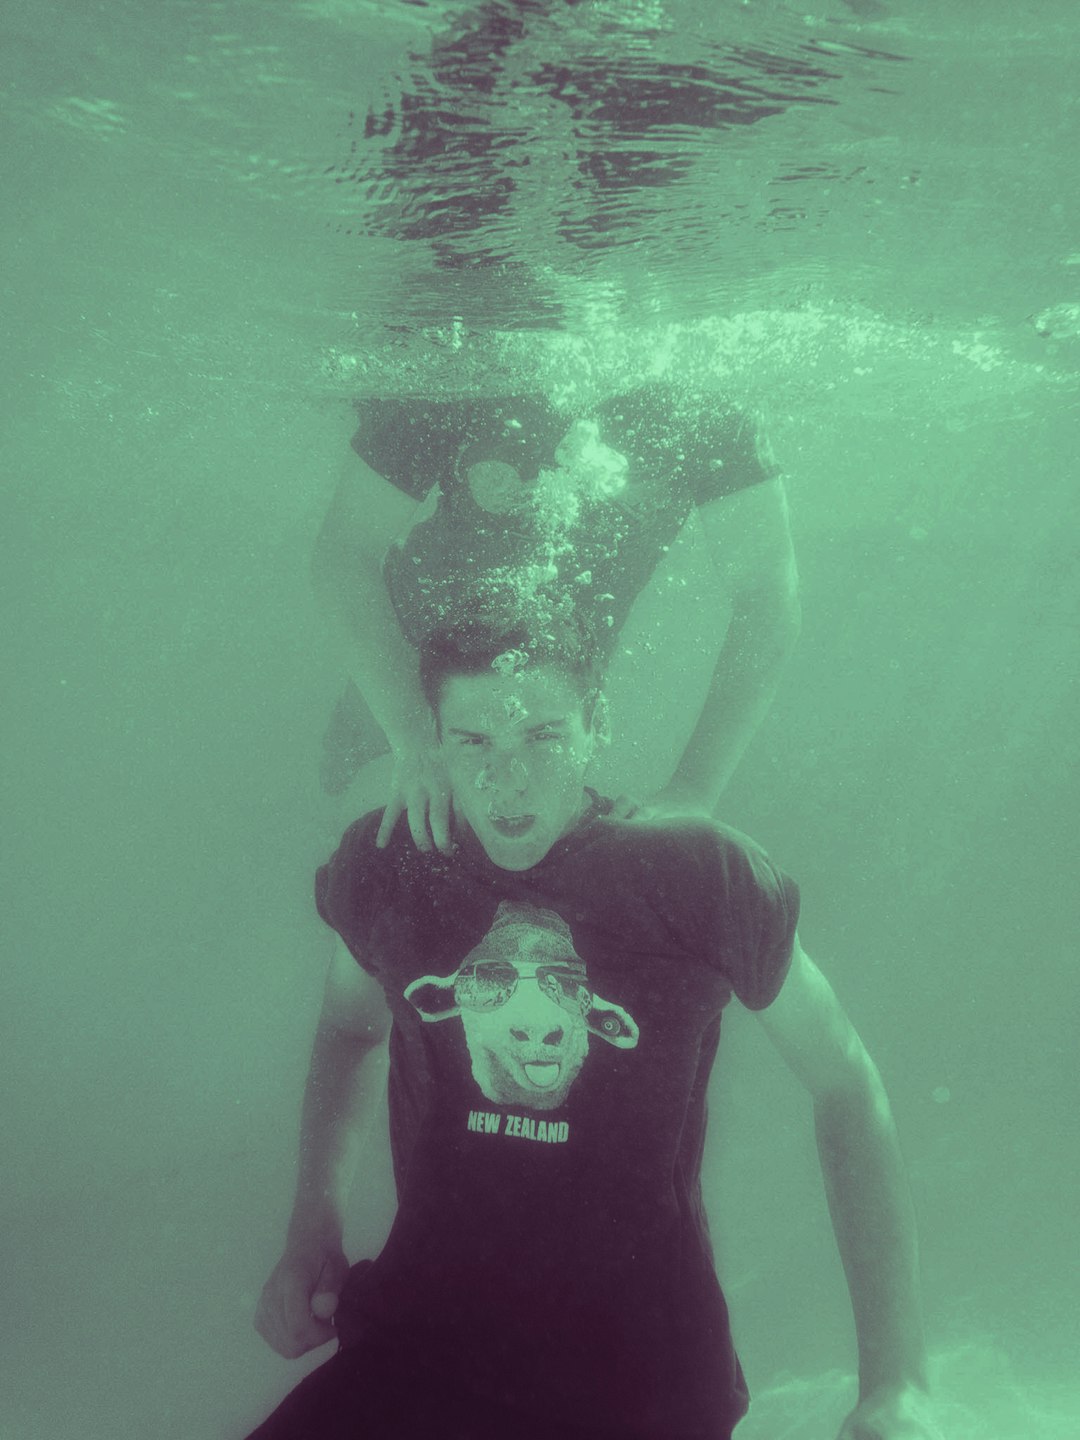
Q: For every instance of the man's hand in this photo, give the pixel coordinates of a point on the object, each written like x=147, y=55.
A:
x=419, y=787
x=667, y=804
x=902, y=1413
x=297, y=1302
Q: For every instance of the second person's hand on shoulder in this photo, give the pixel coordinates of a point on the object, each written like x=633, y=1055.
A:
x=420, y=790
x=671, y=803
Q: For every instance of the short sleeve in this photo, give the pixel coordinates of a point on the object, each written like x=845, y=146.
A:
x=728, y=453
x=703, y=445
x=353, y=887
x=408, y=442
x=417, y=443
x=751, y=909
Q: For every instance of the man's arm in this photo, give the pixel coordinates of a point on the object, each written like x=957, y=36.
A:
x=868, y=1198
x=301, y=1294
x=366, y=515
x=749, y=540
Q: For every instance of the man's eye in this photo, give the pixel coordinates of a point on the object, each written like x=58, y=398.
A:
x=472, y=740
x=547, y=735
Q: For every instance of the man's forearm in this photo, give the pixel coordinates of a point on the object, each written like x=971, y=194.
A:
x=759, y=640
x=382, y=662
x=340, y=1085
x=874, y=1224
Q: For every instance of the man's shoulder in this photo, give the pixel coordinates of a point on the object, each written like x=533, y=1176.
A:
x=360, y=861
x=695, y=839
x=693, y=882
x=363, y=880
x=697, y=870
x=359, y=837
x=359, y=847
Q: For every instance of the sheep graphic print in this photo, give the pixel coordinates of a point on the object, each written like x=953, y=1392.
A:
x=526, y=1007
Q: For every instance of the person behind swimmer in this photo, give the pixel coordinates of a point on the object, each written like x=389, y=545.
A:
x=553, y=993
x=450, y=504
x=526, y=1008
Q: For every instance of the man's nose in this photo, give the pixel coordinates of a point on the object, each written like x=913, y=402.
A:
x=505, y=773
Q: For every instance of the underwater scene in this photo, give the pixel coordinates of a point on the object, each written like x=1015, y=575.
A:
x=738, y=341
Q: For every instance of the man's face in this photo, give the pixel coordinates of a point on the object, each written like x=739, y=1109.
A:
x=516, y=748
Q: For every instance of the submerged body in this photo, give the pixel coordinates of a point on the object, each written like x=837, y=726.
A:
x=453, y=504
x=553, y=999
x=526, y=504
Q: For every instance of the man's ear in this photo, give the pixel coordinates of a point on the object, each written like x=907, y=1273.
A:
x=600, y=724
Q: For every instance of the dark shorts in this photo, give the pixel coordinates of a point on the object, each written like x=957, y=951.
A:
x=381, y=1387
x=359, y=1394
x=349, y=1398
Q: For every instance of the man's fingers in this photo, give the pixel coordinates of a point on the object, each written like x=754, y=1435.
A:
x=324, y=1296
x=272, y=1325
x=300, y=1330
x=418, y=813
x=296, y=1340
x=310, y=1332
x=439, y=818
x=389, y=820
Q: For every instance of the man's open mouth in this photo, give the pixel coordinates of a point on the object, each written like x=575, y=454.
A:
x=542, y=1073
x=513, y=826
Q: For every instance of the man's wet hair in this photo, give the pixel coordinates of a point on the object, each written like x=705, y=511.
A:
x=486, y=643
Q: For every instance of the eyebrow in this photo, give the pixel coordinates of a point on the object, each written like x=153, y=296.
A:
x=483, y=734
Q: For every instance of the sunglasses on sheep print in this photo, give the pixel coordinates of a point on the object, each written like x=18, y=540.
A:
x=489, y=984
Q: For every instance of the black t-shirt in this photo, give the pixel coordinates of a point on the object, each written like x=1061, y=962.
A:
x=553, y=1035
x=528, y=501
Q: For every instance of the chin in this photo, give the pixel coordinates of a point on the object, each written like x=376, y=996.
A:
x=516, y=861
x=509, y=856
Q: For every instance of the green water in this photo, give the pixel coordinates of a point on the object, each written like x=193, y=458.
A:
x=890, y=268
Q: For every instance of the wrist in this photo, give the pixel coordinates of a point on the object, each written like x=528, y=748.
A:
x=884, y=1387
x=315, y=1221
x=401, y=710
x=685, y=794
x=414, y=735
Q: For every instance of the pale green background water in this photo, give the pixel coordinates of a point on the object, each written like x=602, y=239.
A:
x=186, y=316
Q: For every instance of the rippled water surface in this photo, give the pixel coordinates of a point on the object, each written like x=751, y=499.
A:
x=756, y=185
